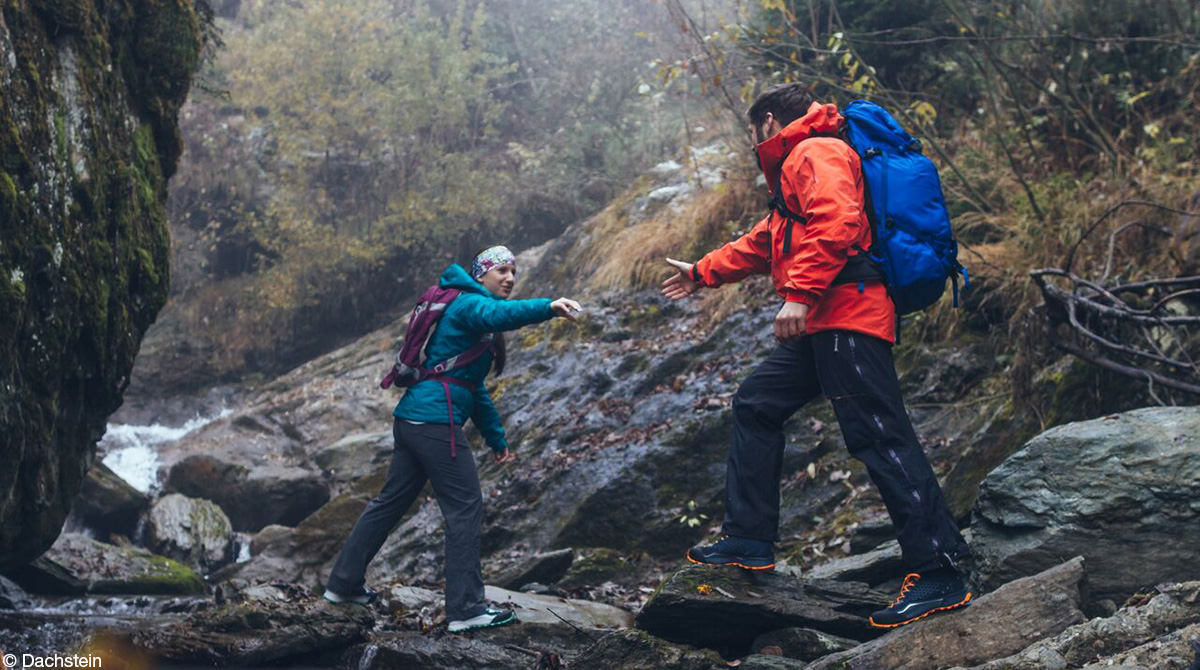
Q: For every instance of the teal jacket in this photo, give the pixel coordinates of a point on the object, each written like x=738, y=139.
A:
x=473, y=314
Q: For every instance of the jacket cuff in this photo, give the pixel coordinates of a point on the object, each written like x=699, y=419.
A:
x=802, y=297
x=500, y=447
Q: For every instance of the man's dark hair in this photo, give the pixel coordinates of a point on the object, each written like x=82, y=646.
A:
x=786, y=103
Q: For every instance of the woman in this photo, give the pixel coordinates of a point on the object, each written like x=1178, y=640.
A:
x=424, y=439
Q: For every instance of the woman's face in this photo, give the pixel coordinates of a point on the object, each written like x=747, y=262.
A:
x=499, y=280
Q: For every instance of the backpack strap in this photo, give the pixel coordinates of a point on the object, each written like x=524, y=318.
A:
x=446, y=382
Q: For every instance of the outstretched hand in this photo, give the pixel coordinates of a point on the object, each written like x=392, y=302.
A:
x=566, y=308
x=503, y=457
x=680, y=285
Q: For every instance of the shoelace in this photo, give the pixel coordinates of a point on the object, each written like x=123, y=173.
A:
x=910, y=580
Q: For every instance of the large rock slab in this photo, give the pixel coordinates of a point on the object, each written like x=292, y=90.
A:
x=716, y=607
x=252, y=497
x=255, y=632
x=108, y=504
x=77, y=564
x=1172, y=607
x=194, y=532
x=994, y=626
x=1121, y=491
x=552, y=610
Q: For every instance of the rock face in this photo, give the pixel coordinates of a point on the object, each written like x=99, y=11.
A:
x=88, y=138
x=194, y=532
x=714, y=607
x=1099, y=489
x=77, y=564
x=994, y=626
x=1172, y=607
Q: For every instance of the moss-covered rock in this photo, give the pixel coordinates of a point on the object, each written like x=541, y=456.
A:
x=88, y=137
x=77, y=564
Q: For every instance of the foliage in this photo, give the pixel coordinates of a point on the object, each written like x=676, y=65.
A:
x=357, y=147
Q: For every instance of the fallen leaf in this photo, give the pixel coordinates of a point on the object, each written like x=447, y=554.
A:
x=704, y=589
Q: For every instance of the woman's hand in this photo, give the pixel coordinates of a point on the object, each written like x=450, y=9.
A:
x=504, y=457
x=566, y=308
x=681, y=285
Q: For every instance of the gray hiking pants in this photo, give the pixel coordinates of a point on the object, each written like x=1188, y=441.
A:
x=423, y=452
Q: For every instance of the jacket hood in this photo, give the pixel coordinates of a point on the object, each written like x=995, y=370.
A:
x=823, y=120
x=456, y=276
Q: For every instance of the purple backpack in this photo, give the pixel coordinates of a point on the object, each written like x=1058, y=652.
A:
x=409, y=368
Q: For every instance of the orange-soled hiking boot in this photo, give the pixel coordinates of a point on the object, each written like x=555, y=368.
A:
x=923, y=595
x=737, y=551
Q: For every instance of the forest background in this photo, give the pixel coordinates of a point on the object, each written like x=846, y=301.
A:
x=340, y=153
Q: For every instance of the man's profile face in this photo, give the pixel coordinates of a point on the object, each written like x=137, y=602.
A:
x=766, y=130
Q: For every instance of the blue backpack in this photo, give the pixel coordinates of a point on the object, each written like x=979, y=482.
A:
x=914, y=245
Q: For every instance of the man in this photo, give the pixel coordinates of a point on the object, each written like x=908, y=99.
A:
x=835, y=334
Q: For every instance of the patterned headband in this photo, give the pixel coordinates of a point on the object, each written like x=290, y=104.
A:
x=493, y=257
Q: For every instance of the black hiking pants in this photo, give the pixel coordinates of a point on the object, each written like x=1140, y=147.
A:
x=856, y=372
x=423, y=452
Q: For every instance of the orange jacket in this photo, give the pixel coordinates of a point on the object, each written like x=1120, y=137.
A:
x=820, y=178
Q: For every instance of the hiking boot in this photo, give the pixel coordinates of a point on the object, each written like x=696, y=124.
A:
x=738, y=551
x=364, y=597
x=490, y=618
x=922, y=595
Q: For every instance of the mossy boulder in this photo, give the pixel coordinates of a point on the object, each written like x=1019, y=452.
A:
x=194, y=532
x=88, y=138
x=77, y=564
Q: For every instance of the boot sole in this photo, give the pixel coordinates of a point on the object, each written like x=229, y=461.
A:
x=732, y=563
x=497, y=624
x=963, y=603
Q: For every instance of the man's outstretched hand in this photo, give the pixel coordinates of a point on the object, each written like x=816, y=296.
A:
x=792, y=321
x=680, y=285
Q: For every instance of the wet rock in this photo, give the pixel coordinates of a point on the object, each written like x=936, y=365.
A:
x=97, y=117
x=994, y=626
x=11, y=595
x=803, y=644
x=77, y=564
x=1095, y=489
x=355, y=456
x=194, y=532
x=1172, y=607
x=593, y=566
x=638, y=650
x=304, y=554
x=873, y=567
x=716, y=607
x=545, y=568
x=108, y=504
x=255, y=632
x=252, y=498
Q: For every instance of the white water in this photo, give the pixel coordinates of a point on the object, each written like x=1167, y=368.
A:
x=132, y=451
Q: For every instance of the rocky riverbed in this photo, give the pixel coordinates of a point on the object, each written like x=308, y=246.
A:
x=213, y=550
